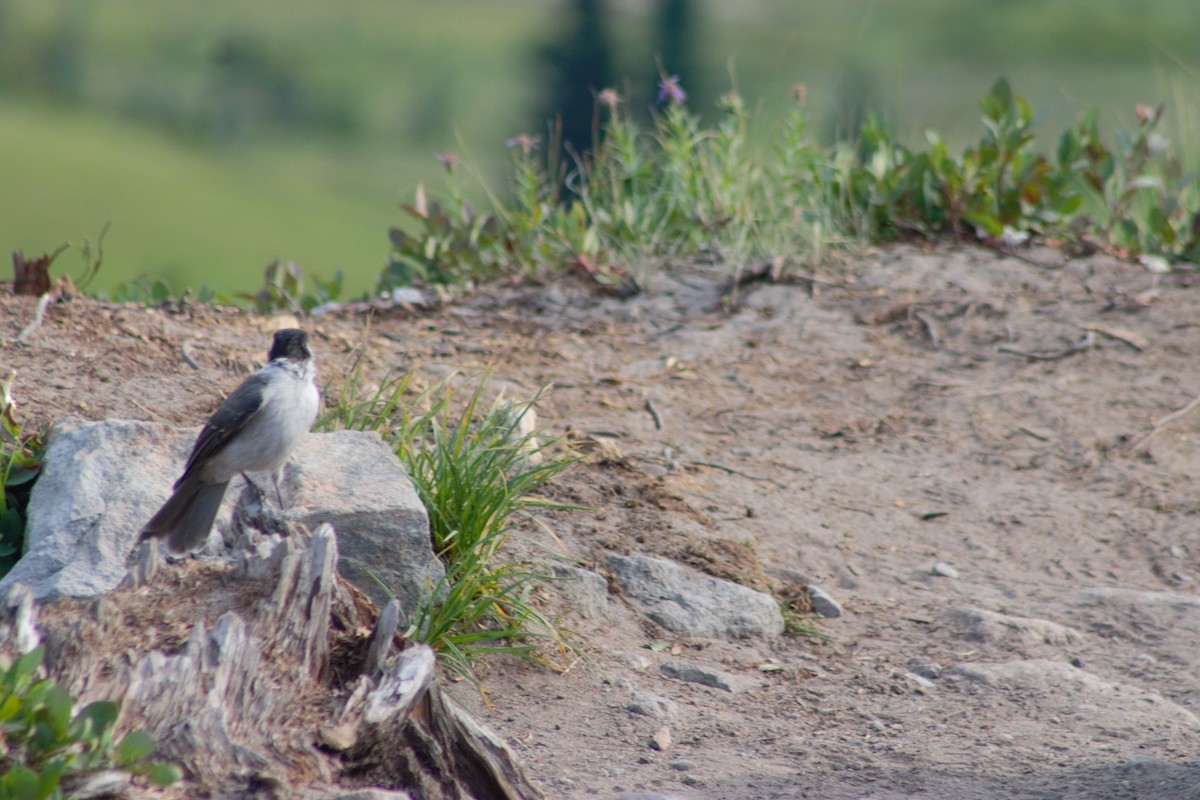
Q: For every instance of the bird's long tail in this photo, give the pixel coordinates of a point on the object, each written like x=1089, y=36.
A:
x=187, y=517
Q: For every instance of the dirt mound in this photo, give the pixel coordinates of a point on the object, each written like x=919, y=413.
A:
x=1005, y=418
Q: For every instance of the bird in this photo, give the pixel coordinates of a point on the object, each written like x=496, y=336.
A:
x=254, y=430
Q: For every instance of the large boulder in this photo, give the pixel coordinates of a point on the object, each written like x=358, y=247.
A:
x=101, y=482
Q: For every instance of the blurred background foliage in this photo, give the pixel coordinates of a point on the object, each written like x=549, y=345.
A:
x=219, y=137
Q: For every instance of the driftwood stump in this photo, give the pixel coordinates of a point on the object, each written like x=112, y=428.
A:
x=268, y=677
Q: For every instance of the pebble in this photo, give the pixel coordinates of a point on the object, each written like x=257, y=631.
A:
x=636, y=661
x=694, y=673
x=926, y=669
x=650, y=705
x=919, y=680
x=822, y=604
x=682, y=765
x=944, y=570
x=661, y=740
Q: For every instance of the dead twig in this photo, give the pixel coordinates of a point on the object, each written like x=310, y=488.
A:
x=1142, y=441
x=930, y=330
x=738, y=472
x=38, y=314
x=186, y=351
x=1131, y=338
x=1086, y=343
x=654, y=414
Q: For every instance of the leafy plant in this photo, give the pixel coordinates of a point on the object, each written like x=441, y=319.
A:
x=46, y=742
x=20, y=459
x=680, y=190
x=157, y=293
x=477, y=468
x=284, y=289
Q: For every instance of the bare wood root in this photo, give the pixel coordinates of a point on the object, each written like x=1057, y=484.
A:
x=231, y=668
x=1083, y=344
x=1144, y=439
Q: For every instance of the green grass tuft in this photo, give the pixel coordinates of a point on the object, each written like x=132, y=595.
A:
x=478, y=469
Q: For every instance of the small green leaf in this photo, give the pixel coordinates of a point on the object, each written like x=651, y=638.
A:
x=21, y=783
x=95, y=718
x=10, y=707
x=163, y=775
x=25, y=666
x=135, y=746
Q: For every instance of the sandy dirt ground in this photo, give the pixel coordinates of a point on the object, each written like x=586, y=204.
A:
x=1008, y=418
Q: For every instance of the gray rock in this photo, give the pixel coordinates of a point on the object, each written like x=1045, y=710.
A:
x=635, y=661
x=1167, y=609
x=373, y=794
x=694, y=673
x=1057, y=684
x=588, y=591
x=691, y=603
x=920, y=680
x=926, y=669
x=99, y=484
x=980, y=625
x=682, y=765
x=101, y=481
x=353, y=481
x=661, y=740
x=651, y=705
x=823, y=605
x=944, y=570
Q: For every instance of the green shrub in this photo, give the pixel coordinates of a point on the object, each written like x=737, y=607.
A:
x=679, y=190
x=46, y=742
x=20, y=459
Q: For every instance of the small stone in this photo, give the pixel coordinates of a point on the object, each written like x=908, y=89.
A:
x=587, y=590
x=944, y=570
x=636, y=661
x=651, y=705
x=682, y=765
x=694, y=673
x=661, y=740
x=926, y=669
x=688, y=602
x=691, y=780
x=339, y=738
x=919, y=680
x=823, y=605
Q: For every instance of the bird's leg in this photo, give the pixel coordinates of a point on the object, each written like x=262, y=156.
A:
x=277, y=475
x=262, y=500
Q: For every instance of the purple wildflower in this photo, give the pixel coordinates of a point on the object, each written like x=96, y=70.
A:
x=669, y=91
x=608, y=98
x=526, y=142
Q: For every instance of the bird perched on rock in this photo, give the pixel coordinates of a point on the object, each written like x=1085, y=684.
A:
x=254, y=430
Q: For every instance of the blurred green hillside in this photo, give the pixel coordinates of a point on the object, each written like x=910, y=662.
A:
x=219, y=136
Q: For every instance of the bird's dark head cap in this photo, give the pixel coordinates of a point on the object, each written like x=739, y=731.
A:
x=290, y=343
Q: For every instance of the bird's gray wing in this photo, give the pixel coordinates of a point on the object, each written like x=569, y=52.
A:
x=225, y=423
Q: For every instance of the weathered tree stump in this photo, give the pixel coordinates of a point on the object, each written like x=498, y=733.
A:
x=262, y=678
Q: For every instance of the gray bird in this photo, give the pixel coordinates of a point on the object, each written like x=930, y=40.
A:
x=254, y=430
